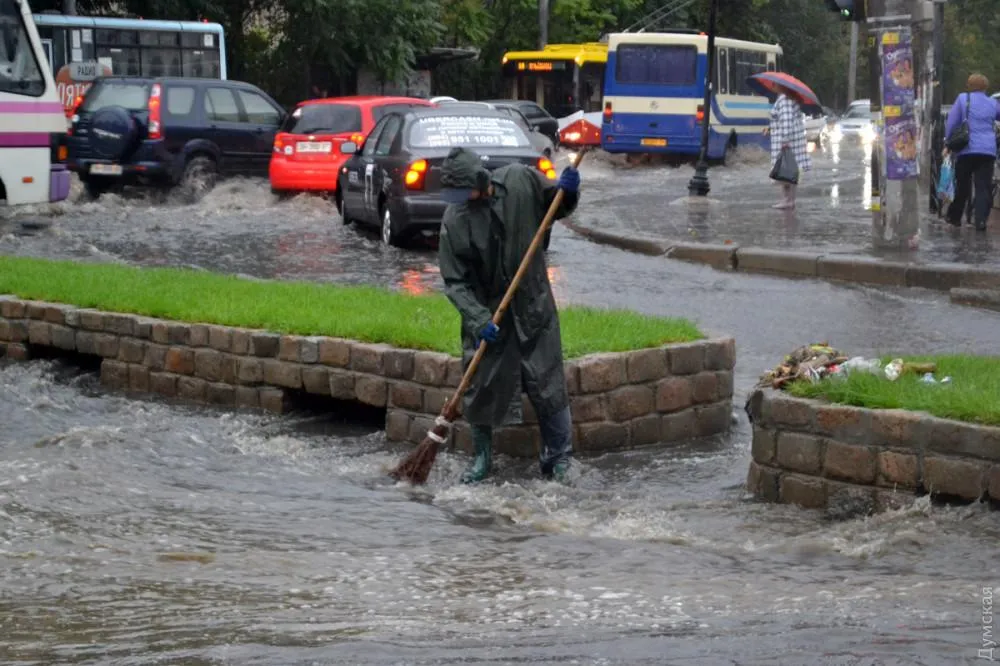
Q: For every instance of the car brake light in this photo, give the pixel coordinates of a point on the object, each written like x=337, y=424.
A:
x=700, y=115
x=357, y=139
x=74, y=118
x=607, y=112
x=155, y=128
x=415, y=175
x=546, y=167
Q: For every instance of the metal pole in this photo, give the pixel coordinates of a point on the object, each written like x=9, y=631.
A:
x=852, y=76
x=543, y=23
x=69, y=7
x=699, y=185
x=937, y=98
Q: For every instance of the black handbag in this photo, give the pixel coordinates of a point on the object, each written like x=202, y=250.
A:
x=960, y=138
x=786, y=168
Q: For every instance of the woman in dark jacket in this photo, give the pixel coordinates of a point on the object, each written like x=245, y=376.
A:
x=975, y=162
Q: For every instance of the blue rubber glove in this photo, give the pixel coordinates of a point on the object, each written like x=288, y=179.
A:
x=569, y=181
x=489, y=333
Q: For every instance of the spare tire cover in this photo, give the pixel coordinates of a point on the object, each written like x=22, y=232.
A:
x=113, y=132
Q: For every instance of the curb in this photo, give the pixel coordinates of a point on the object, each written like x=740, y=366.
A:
x=849, y=268
x=988, y=299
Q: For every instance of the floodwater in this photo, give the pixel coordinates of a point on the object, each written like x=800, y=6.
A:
x=143, y=532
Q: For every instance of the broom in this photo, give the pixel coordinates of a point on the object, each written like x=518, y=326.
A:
x=416, y=467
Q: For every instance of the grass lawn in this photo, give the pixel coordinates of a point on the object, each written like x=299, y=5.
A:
x=973, y=394
x=368, y=314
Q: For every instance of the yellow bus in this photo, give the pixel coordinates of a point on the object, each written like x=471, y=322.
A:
x=562, y=78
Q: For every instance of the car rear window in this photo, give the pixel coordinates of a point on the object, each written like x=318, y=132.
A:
x=656, y=64
x=324, y=118
x=469, y=131
x=127, y=94
x=386, y=109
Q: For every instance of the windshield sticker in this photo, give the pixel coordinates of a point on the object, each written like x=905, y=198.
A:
x=446, y=131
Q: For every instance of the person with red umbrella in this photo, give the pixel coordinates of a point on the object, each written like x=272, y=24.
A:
x=787, y=129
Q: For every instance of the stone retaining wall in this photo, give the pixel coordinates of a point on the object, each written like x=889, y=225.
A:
x=820, y=455
x=619, y=401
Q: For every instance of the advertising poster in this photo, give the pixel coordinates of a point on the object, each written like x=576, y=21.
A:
x=900, y=126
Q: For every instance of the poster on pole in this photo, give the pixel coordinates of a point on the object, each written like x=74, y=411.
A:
x=898, y=96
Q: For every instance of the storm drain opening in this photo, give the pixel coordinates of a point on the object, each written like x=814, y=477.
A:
x=75, y=362
x=333, y=410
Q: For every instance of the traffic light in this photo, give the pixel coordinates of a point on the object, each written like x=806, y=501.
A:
x=849, y=10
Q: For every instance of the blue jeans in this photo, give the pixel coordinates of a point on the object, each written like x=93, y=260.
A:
x=557, y=439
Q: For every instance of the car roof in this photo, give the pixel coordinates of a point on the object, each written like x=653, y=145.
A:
x=450, y=110
x=366, y=100
x=178, y=80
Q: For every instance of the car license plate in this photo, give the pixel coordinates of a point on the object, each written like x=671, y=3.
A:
x=659, y=143
x=314, y=146
x=106, y=169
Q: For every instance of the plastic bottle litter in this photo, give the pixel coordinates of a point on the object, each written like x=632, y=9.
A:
x=894, y=369
x=861, y=364
x=929, y=378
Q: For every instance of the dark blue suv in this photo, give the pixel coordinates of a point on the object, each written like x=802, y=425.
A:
x=168, y=132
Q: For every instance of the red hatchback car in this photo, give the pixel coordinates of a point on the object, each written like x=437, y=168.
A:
x=307, y=155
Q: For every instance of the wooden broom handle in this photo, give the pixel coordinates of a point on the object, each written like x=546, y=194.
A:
x=450, y=410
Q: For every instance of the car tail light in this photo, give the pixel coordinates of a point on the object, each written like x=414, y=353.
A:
x=284, y=145
x=607, y=112
x=155, y=128
x=74, y=118
x=415, y=175
x=357, y=139
x=545, y=166
x=700, y=114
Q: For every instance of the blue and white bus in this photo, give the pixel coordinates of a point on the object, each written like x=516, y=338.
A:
x=654, y=90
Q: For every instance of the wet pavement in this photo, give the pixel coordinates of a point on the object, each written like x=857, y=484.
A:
x=141, y=532
x=833, y=212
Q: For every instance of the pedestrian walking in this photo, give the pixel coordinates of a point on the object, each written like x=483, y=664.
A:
x=788, y=130
x=972, y=139
x=487, y=228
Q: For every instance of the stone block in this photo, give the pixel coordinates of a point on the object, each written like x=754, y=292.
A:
x=719, y=256
x=264, y=345
x=220, y=338
x=800, y=453
x=804, y=491
x=963, y=439
x=517, y=441
x=629, y=402
x=954, y=478
x=862, y=270
x=247, y=397
x=16, y=351
x=673, y=394
x=132, y=350
x=56, y=314
x=250, y=370
x=283, y=374
x=779, y=409
x=309, y=349
x=456, y=369
x=845, y=501
x=239, y=343
x=12, y=308
x=588, y=408
x=764, y=482
x=4, y=330
x=720, y=354
x=192, y=388
x=888, y=500
x=368, y=357
x=274, y=400
x=342, y=385
x=208, y=364
x=179, y=360
x=993, y=483
x=897, y=428
x=86, y=342
x=764, y=446
x=91, y=320
x=138, y=378
x=419, y=426
x=704, y=387
x=119, y=324
x=371, y=390
x=198, y=335
x=107, y=345
x=335, y=352
x=897, y=469
x=714, y=419
x=63, y=337
x=646, y=365
x=221, y=394
x=461, y=438
x=687, y=359
x=777, y=262
x=604, y=436
x=397, y=425
x=316, y=379
x=17, y=330
x=645, y=430
x=143, y=327
x=430, y=369
x=290, y=348
x=847, y=424
x=156, y=356
x=572, y=372
x=405, y=395
x=158, y=334
x=114, y=374
x=35, y=310
x=600, y=373
x=163, y=383
x=227, y=368
x=40, y=333
x=727, y=385
x=679, y=426
x=848, y=462
x=178, y=333
x=398, y=363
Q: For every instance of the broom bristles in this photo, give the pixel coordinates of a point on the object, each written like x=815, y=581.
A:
x=416, y=467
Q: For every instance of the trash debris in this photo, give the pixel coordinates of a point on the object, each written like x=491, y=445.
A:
x=894, y=369
x=816, y=362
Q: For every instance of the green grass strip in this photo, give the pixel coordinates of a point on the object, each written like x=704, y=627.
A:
x=973, y=394
x=363, y=313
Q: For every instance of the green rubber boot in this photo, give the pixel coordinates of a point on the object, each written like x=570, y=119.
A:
x=560, y=472
x=482, y=464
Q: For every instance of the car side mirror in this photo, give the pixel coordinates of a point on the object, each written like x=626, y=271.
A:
x=349, y=148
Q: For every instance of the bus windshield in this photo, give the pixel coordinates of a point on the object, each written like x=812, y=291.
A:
x=656, y=64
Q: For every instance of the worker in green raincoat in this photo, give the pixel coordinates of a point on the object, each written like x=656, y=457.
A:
x=487, y=228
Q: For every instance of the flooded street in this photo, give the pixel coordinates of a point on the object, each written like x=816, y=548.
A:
x=142, y=532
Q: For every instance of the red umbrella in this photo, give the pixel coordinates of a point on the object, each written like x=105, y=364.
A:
x=773, y=84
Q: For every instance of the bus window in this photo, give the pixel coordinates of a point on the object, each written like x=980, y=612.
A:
x=201, y=64
x=20, y=72
x=655, y=64
x=722, y=73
